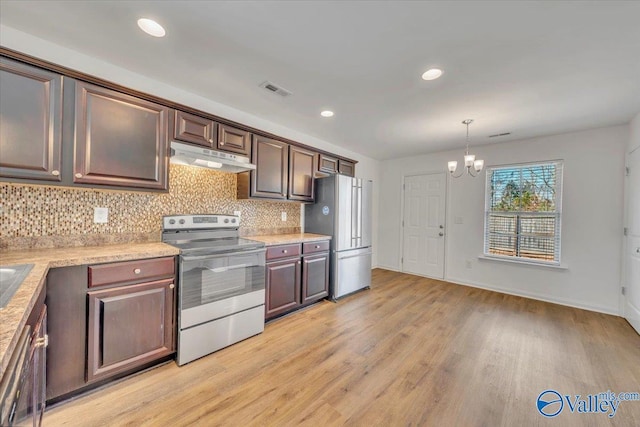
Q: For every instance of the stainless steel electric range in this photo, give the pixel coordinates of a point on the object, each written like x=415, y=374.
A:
x=221, y=283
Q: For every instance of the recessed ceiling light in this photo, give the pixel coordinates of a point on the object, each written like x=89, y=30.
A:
x=151, y=27
x=327, y=113
x=432, y=74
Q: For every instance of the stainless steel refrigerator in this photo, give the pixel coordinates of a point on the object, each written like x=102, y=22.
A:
x=343, y=210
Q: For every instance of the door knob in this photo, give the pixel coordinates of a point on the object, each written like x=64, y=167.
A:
x=441, y=234
x=442, y=226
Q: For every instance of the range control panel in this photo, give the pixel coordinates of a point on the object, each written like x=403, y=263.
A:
x=196, y=222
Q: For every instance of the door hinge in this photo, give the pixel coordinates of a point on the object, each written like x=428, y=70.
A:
x=627, y=171
x=625, y=231
x=624, y=290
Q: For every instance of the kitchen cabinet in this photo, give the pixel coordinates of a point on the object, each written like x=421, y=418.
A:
x=282, y=279
x=22, y=387
x=327, y=164
x=120, y=140
x=269, y=180
x=296, y=275
x=106, y=321
x=315, y=272
x=30, y=122
x=194, y=129
x=129, y=326
x=302, y=167
x=234, y=140
x=346, y=168
x=283, y=172
x=207, y=133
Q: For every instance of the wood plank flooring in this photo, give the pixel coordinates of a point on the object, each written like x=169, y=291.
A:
x=409, y=352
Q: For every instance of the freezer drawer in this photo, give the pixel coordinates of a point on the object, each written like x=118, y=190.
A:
x=352, y=271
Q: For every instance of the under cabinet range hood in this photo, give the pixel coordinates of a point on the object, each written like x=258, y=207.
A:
x=184, y=154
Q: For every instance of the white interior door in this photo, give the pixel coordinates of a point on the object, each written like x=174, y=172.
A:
x=424, y=225
x=632, y=253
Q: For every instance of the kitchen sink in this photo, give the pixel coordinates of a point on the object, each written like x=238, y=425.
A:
x=11, y=277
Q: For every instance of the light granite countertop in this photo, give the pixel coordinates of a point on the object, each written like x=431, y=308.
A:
x=284, y=239
x=14, y=316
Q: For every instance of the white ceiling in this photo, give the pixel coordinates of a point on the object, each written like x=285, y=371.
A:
x=530, y=68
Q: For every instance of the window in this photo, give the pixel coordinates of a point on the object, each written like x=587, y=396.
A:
x=523, y=212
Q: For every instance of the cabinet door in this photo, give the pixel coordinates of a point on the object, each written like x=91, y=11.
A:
x=234, y=140
x=327, y=164
x=30, y=122
x=128, y=327
x=346, y=168
x=269, y=180
x=302, y=166
x=40, y=343
x=194, y=129
x=120, y=140
x=315, y=277
x=282, y=286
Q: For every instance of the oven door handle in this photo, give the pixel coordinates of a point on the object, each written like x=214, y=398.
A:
x=222, y=255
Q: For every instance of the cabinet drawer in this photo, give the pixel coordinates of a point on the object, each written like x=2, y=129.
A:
x=107, y=274
x=312, y=247
x=283, y=251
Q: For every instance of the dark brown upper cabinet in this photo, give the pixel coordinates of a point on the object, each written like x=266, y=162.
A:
x=120, y=140
x=327, y=164
x=269, y=180
x=234, y=140
x=30, y=122
x=194, y=129
x=346, y=168
x=302, y=167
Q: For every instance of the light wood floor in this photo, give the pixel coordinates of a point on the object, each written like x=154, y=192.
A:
x=409, y=352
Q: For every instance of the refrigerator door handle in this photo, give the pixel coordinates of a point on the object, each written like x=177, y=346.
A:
x=359, y=213
x=354, y=214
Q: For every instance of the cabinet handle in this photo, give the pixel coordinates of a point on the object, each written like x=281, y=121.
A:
x=221, y=142
x=317, y=246
x=284, y=251
x=638, y=250
x=137, y=271
x=42, y=342
x=210, y=139
x=78, y=175
x=55, y=172
x=171, y=286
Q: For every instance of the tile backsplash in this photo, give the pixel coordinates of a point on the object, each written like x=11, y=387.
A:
x=50, y=216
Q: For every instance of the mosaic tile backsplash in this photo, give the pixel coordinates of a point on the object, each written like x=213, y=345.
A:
x=63, y=216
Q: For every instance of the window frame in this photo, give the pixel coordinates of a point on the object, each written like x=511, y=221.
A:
x=518, y=215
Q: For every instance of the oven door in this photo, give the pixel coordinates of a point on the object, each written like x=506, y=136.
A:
x=214, y=286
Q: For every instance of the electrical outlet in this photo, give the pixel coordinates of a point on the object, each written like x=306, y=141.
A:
x=237, y=213
x=284, y=216
x=468, y=263
x=100, y=215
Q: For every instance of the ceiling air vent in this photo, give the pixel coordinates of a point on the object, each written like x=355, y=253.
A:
x=499, y=134
x=271, y=87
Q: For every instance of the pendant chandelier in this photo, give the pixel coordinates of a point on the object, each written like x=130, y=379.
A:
x=469, y=159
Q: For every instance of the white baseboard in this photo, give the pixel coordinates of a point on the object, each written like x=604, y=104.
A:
x=539, y=297
x=632, y=314
x=386, y=267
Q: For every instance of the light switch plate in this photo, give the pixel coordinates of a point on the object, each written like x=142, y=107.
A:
x=100, y=215
x=284, y=216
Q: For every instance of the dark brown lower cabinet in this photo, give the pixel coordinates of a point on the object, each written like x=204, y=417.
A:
x=315, y=277
x=283, y=286
x=129, y=326
x=297, y=275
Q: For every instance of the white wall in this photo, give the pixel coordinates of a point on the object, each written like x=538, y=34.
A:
x=634, y=133
x=591, y=224
x=11, y=38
